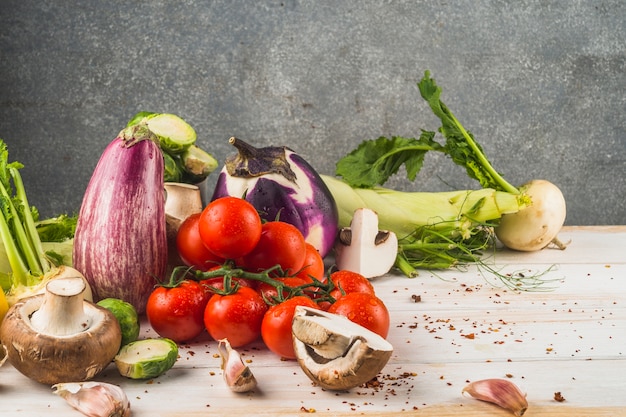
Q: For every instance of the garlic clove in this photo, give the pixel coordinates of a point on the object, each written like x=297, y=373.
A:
x=237, y=374
x=95, y=399
x=501, y=392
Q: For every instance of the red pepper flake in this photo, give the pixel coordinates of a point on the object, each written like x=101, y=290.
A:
x=416, y=298
x=469, y=336
x=307, y=410
x=558, y=397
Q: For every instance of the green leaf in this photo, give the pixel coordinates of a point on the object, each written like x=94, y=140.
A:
x=373, y=162
x=57, y=229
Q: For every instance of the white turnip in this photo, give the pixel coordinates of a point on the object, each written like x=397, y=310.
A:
x=536, y=226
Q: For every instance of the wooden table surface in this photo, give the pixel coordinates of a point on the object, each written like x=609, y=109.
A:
x=570, y=339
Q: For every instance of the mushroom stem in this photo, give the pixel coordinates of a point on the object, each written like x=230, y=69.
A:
x=61, y=313
x=182, y=200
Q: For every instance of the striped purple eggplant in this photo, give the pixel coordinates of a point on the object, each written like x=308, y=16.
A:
x=120, y=243
x=279, y=183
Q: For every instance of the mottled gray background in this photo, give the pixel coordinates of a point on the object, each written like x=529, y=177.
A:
x=541, y=84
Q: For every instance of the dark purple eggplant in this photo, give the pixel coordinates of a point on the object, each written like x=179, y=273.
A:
x=120, y=243
x=279, y=183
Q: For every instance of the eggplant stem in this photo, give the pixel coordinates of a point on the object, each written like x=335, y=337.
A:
x=132, y=135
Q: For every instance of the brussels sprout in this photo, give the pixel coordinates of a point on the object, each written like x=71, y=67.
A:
x=175, y=135
x=126, y=315
x=147, y=358
x=136, y=119
x=197, y=164
x=172, y=172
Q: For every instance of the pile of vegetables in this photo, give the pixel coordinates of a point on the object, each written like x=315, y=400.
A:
x=251, y=263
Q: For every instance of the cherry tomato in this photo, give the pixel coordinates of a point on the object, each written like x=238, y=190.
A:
x=236, y=317
x=191, y=248
x=178, y=313
x=365, y=309
x=313, y=265
x=276, y=325
x=230, y=227
x=346, y=282
x=280, y=243
x=270, y=292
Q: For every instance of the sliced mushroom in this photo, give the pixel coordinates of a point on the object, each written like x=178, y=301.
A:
x=334, y=352
x=363, y=248
x=59, y=337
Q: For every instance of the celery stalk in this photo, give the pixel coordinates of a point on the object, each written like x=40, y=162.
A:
x=18, y=232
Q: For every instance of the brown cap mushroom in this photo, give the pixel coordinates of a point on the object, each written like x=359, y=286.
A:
x=59, y=337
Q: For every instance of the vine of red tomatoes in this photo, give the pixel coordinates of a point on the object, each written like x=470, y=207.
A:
x=243, y=279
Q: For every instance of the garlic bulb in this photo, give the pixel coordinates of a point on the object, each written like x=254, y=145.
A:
x=95, y=399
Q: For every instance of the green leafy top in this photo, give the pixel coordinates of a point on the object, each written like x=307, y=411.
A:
x=373, y=162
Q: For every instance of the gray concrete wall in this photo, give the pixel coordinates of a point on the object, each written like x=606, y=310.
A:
x=541, y=84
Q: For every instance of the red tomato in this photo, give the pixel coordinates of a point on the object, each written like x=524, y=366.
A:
x=230, y=227
x=346, y=282
x=269, y=292
x=191, y=248
x=313, y=265
x=178, y=313
x=236, y=317
x=280, y=243
x=276, y=325
x=365, y=309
